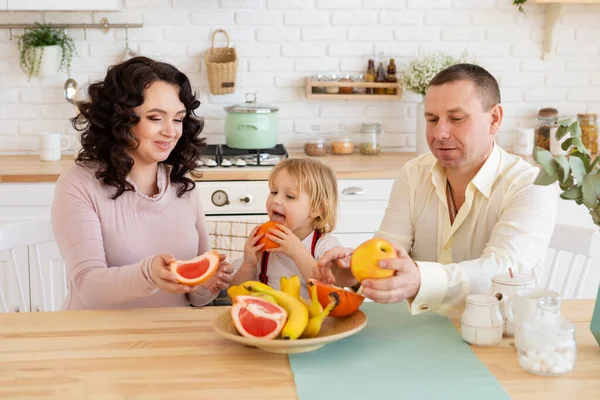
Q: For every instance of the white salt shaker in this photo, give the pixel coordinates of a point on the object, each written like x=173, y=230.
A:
x=546, y=345
x=481, y=323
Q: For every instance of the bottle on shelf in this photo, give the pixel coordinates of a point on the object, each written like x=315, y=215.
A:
x=381, y=78
x=391, y=76
x=370, y=76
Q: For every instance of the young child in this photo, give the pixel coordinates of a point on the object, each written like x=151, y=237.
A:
x=303, y=201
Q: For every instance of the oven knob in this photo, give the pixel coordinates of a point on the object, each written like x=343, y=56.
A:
x=220, y=198
x=247, y=199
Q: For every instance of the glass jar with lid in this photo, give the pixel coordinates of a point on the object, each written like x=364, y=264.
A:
x=342, y=145
x=547, y=118
x=345, y=89
x=546, y=345
x=589, y=131
x=370, y=139
x=332, y=89
x=315, y=146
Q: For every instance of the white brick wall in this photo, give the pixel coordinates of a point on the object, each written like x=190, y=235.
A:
x=280, y=42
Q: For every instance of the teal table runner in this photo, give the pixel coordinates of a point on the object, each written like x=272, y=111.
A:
x=396, y=356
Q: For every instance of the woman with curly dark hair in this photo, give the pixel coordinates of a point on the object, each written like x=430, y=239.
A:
x=128, y=208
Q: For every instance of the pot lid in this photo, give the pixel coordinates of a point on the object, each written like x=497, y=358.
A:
x=505, y=278
x=251, y=106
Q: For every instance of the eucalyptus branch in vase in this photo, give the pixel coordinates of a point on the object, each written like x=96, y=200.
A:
x=576, y=173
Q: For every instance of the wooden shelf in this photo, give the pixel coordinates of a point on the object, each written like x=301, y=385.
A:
x=553, y=10
x=566, y=1
x=354, y=96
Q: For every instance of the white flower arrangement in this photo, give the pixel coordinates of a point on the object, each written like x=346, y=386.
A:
x=418, y=73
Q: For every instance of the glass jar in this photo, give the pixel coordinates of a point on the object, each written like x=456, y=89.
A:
x=370, y=139
x=547, y=118
x=589, y=131
x=315, y=147
x=342, y=145
x=360, y=79
x=345, y=89
x=332, y=89
x=546, y=345
x=318, y=89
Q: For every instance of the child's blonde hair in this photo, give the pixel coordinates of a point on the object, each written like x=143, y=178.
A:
x=318, y=181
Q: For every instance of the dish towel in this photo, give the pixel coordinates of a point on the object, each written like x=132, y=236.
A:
x=396, y=356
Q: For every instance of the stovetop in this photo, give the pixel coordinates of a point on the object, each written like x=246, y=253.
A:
x=220, y=155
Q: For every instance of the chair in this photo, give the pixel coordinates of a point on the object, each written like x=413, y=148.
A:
x=580, y=243
x=29, y=235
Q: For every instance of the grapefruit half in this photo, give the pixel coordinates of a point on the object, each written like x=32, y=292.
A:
x=197, y=270
x=255, y=317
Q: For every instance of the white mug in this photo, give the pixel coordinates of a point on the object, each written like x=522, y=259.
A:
x=522, y=306
x=524, y=141
x=50, y=148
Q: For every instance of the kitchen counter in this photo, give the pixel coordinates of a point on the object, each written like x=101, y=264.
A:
x=29, y=168
x=174, y=353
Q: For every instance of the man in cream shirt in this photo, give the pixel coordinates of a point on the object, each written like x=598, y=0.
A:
x=461, y=214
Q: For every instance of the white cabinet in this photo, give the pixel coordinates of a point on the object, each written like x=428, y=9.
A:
x=362, y=206
x=61, y=5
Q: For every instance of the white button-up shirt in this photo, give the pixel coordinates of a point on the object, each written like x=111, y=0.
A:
x=505, y=222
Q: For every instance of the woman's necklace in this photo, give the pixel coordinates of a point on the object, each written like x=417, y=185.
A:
x=451, y=205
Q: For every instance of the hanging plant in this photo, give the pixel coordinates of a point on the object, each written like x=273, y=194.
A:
x=32, y=43
x=519, y=3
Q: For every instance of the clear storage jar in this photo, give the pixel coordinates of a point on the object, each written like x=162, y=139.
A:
x=370, y=139
x=546, y=346
x=547, y=118
x=589, y=131
x=315, y=147
x=342, y=145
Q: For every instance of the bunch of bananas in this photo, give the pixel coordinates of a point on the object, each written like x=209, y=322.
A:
x=304, y=319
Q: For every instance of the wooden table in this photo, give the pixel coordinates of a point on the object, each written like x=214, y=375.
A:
x=172, y=353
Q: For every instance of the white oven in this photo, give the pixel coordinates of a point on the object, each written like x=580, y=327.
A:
x=232, y=209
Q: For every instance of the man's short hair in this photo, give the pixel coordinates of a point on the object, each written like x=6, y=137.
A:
x=485, y=84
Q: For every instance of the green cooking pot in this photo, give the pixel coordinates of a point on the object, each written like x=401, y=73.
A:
x=250, y=125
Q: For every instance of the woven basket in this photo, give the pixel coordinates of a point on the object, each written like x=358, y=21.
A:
x=221, y=67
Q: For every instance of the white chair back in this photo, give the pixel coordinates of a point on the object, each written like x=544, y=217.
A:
x=578, y=246
x=27, y=235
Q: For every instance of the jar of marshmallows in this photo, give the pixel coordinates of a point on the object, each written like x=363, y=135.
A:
x=546, y=345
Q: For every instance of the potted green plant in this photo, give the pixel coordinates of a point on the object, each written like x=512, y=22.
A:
x=39, y=50
x=519, y=4
x=578, y=177
x=416, y=77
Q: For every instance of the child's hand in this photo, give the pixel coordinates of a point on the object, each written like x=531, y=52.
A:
x=289, y=243
x=220, y=281
x=252, y=251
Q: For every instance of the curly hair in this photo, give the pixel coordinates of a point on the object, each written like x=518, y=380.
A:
x=105, y=123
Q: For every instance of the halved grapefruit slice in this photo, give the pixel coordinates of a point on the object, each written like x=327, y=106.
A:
x=255, y=317
x=197, y=270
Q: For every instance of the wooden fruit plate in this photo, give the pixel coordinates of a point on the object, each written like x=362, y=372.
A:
x=333, y=329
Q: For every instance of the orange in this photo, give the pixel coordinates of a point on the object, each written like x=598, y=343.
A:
x=349, y=301
x=264, y=228
x=197, y=270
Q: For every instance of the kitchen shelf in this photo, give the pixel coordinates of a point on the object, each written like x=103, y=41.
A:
x=341, y=96
x=553, y=10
